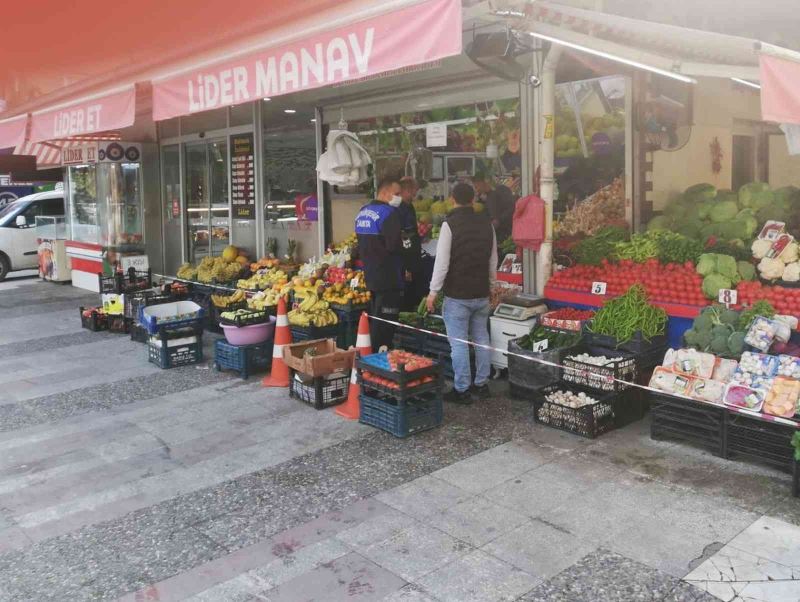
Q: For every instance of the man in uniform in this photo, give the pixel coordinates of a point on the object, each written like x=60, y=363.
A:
x=380, y=246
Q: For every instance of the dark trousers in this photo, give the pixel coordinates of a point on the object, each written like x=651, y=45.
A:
x=384, y=304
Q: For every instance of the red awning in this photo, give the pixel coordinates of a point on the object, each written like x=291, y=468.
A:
x=48, y=154
x=780, y=89
x=12, y=131
x=111, y=110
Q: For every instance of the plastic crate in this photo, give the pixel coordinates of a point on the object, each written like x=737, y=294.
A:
x=124, y=283
x=700, y=424
x=138, y=333
x=637, y=344
x=95, y=322
x=134, y=302
x=602, y=378
x=243, y=359
x=254, y=317
x=319, y=392
x=377, y=365
x=530, y=374
x=119, y=324
x=309, y=333
x=402, y=418
x=763, y=441
x=171, y=356
x=194, y=315
x=629, y=406
x=347, y=331
x=588, y=421
x=409, y=340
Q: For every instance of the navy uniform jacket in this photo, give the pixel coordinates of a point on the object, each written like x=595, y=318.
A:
x=412, y=246
x=380, y=246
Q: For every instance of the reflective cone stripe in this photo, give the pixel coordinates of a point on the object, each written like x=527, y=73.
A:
x=351, y=409
x=279, y=374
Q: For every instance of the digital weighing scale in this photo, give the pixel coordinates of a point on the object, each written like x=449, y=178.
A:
x=521, y=307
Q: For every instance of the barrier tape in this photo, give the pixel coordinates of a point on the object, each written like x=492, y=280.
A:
x=607, y=378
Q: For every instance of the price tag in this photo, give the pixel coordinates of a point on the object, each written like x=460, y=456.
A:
x=354, y=283
x=598, y=288
x=728, y=296
x=541, y=345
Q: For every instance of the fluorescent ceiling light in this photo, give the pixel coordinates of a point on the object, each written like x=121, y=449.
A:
x=614, y=57
x=745, y=82
x=313, y=120
x=290, y=111
x=267, y=99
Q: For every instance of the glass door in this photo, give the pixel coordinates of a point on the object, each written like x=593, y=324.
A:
x=207, y=206
x=173, y=232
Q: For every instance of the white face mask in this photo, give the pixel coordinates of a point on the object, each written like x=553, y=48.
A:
x=396, y=200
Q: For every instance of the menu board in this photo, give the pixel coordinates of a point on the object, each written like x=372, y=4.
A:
x=243, y=177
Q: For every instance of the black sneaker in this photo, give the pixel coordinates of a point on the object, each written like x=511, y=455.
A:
x=481, y=391
x=454, y=396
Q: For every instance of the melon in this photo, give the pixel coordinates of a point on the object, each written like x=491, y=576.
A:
x=230, y=253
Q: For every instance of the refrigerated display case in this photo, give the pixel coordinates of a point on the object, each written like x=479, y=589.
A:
x=105, y=213
x=52, y=235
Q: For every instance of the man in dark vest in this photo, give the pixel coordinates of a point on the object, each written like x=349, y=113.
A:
x=380, y=246
x=466, y=260
x=412, y=248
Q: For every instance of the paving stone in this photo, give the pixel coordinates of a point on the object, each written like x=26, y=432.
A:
x=424, y=496
x=476, y=520
x=375, y=530
x=772, y=539
x=539, y=549
x=409, y=593
x=478, y=577
x=606, y=576
x=351, y=577
x=415, y=551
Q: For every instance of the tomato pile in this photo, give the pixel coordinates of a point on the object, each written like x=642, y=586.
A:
x=666, y=283
x=412, y=361
x=784, y=300
x=570, y=313
x=386, y=382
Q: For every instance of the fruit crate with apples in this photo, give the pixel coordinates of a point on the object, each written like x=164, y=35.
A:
x=401, y=418
x=400, y=374
x=93, y=319
x=124, y=283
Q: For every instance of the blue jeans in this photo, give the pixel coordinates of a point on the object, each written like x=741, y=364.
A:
x=467, y=319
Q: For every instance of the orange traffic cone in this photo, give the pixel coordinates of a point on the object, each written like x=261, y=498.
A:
x=279, y=374
x=351, y=409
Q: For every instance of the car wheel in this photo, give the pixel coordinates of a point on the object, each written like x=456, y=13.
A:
x=5, y=267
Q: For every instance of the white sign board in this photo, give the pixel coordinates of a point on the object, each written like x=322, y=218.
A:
x=138, y=262
x=599, y=288
x=436, y=134
x=79, y=155
x=728, y=296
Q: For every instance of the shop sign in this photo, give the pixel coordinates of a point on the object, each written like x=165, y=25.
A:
x=243, y=177
x=436, y=134
x=110, y=111
x=421, y=33
x=79, y=155
x=140, y=263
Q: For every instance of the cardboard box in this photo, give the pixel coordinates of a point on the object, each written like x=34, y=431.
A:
x=327, y=359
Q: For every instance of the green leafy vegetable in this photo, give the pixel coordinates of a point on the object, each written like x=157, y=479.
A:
x=759, y=308
x=628, y=314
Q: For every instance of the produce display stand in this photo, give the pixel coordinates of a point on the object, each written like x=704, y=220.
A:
x=727, y=431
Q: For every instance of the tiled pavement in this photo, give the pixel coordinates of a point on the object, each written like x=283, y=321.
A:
x=118, y=479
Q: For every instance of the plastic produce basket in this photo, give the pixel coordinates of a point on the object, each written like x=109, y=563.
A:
x=409, y=340
x=759, y=440
x=637, y=344
x=402, y=418
x=530, y=374
x=254, y=316
x=700, y=424
x=171, y=353
x=588, y=421
x=172, y=315
x=405, y=384
x=134, y=302
x=309, y=333
x=347, y=331
x=95, y=322
x=129, y=282
x=603, y=377
x=319, y=392
x=244, y=359
x=138, y=333
x=119, y=324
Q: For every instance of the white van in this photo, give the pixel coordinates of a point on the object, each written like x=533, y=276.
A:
x=18, y=246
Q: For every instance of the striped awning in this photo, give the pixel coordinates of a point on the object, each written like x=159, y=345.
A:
x=48, y=154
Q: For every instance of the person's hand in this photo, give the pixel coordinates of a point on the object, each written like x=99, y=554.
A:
x=409, y=278
x=431, y=302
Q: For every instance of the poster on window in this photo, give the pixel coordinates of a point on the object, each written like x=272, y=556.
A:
x=243, y=177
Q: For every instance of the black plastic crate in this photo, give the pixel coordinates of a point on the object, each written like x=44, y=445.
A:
x=96, y=321
x=119, y=324
x=347, y=329
x=138, y=333
x=529, y=373
x=409, y=340
x=123, y=283
x=319, y=392
x=254, y=316
x=243, y=359
x=588, y=421
x=700, y=424
x=760, y=440
x=310, y=333
x=134, y=302
x=637, y=344
x=603, y=378
x=403, y=380
x=630, y=405
x=402, y=418
x=166, y=356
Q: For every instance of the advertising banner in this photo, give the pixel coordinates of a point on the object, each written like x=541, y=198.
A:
x=417, y=34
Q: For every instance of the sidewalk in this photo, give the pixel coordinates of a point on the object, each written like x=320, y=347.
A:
x=120, y=480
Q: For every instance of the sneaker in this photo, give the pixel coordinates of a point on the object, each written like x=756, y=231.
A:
x=481, y=391
x=463, y=398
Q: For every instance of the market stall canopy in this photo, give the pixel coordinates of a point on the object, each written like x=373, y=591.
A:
x=780, y=89
x=12, y=131
x=353, y=48
x=46, y=154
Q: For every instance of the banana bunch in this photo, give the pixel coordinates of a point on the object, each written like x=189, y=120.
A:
x=226, y=300
x=312, y=311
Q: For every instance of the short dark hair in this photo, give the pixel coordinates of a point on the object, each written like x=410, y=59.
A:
x=387, y=181
x=463, y=194
x=408, y=183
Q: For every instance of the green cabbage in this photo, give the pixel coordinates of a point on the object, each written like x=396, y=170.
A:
x=659, y=222
x=726, y=265
x=707, y=264
x=700, y=192
x=713, y=283
x=747, y=271
x=748, y=192
x=723, y=211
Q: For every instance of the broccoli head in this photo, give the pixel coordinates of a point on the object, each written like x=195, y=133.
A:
x=690, y=337
x=719, y=344
x=728, y=316
x=721, y=330
x=703, y=322
x=704, y=339
x=736, y=344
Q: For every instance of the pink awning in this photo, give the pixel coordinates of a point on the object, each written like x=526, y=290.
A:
x=406, y=37
x=112, y=110
x=48, y=154
x=780, y=89
x=12, y=131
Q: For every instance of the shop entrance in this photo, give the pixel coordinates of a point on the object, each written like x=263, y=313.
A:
x=207, y=199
